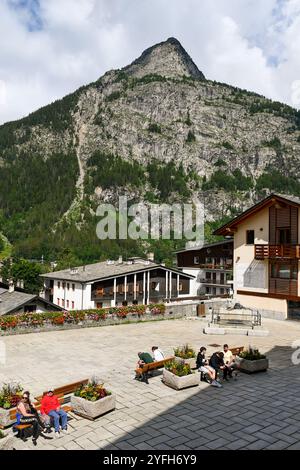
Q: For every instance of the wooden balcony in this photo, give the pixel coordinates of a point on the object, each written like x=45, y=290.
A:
x=276, y=252
x=216, y=267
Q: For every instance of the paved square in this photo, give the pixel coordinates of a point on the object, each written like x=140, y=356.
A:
x=260, y=411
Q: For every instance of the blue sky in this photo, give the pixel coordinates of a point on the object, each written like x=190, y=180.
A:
x=49, y=48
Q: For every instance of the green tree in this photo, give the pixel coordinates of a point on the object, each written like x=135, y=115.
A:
x=23, y=270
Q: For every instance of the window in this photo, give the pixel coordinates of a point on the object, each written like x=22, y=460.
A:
x=284, y=271
x=284, y=236
x=250, y=236
x=73, y=306
x=196, y=259
x=207, y=290
x=58, y=301
x=62, y=303
x=73, y=286
x=68, y=285
x=58, y=285
x=68, y=304
x=63, y=285
x=29, y=308
x=99, y=305
x=222, y=291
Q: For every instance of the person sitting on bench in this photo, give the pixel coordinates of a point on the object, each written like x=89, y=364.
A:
x=229, y=360
x=205, y=368
x=144, y=358
x=217, y=362
x=27, y=414
x=50, y=406
x=157, y=354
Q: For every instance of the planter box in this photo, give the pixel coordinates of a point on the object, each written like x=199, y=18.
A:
x=6, y=443
x=178, y=383
x=93, y=409
x=253, y=366
x=191, y=362
x=5, y=419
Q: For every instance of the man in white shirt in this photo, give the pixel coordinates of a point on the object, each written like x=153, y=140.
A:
x=157, y=354
x=229, y=359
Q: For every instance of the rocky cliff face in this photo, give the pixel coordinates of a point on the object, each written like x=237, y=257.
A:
x=161, y=109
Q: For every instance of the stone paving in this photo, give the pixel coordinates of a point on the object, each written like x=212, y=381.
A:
x=260, y=411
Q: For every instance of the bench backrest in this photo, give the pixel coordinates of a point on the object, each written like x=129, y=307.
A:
x=157, y=364
x=65, y=389
x=236, y=351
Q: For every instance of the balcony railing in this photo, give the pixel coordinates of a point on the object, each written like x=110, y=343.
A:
x=215, y=282
x=277, y=251
x=222, y=267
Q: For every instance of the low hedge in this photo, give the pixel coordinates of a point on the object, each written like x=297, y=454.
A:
x=76, y=316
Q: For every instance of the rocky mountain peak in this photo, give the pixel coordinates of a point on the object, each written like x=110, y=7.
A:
x=168, y=59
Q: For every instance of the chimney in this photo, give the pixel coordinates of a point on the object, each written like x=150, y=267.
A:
x=150, y=257
x=120, y=260
x=11, y=286
x=22, y=284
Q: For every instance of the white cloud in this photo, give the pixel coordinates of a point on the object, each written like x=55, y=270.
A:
x=253, y=44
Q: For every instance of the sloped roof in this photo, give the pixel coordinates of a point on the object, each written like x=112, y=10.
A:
x=105, y=270
x=209, y=245
x=228, y=229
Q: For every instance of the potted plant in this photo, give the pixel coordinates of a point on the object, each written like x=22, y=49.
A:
x=6, y=441
x=179, y=375
x=251, y=361
x=92, y=400
x=187, y=355
x=10, y=394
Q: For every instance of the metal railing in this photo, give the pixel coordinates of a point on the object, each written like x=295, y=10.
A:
x=236, y=318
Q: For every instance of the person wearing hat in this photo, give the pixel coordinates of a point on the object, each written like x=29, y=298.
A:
x=50, y=406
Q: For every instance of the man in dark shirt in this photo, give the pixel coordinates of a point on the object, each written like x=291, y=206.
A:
x=217, y=362
x=144, y=358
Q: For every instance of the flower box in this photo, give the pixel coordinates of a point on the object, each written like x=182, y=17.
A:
x=250, y=367
x=191, y=362
x=93, y=409
x=179, y=383
x=6, y=442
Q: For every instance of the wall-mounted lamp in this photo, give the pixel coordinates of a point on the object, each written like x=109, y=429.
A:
x=238, y=259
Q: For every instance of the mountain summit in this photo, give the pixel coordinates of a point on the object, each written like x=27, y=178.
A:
x=168, y=59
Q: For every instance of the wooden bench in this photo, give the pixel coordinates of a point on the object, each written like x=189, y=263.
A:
x=237, y=351
x=146, y=368
x=21, y=427
x=65, y=389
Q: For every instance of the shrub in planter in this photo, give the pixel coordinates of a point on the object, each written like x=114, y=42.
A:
x=10, y=395
x=186, y=354
x=251, y=361
x=93, y=400
x=179, y=375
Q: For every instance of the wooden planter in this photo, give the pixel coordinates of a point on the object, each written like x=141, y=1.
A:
x=93, y=409
x=178, y=383
x=250, y=367
x=6, y=443
x=191, y=362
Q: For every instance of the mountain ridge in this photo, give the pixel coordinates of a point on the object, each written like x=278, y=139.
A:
x=158, y=131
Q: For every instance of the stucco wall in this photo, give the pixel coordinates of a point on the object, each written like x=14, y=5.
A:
x=268, y=307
